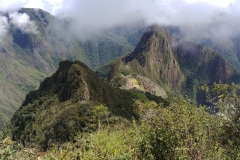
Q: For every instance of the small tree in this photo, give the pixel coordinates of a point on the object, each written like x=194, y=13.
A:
x=178, y=131
x=225, y=99
x=99, y=112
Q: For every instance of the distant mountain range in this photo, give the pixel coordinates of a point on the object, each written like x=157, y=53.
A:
x=27, y=58
x=161, y=63
x=169, y=63
x=156, y=60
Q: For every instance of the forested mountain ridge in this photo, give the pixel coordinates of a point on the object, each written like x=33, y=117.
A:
x=26, y=58
x=63, y=106
x=169, y=62
x=74, y=114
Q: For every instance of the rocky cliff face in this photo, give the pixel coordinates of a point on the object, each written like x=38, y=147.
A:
x=154, y=54
x=153, y=59
x=203, y=62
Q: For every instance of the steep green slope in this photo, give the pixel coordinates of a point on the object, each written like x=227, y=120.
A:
x=63, y=106
x=228, y=47
x=113, y=43
x=202, y=65
x=152, y=59
x=170, y=63
x=16, y=81
x=27, y=58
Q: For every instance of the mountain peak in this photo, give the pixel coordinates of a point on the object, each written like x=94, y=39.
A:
x=149, y=37
x=156, y=28
x=64, y=104
x=154, y=53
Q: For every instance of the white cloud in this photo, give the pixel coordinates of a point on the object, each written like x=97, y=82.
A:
x=9, y=5
x=218, y=3
x=34, y=4
x=48, y=5
x=91, y=16
x=3, y=27
x=52, y=5
x=201, y=20
x=22, y=21
x=197, y=18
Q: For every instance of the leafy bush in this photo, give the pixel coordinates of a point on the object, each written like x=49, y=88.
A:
x=180, y=131
x=224, y=100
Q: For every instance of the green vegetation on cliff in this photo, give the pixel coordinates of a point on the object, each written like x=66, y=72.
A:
x=72, y=101
x=63, y=106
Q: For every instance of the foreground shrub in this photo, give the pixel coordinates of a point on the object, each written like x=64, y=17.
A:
x=179, y=131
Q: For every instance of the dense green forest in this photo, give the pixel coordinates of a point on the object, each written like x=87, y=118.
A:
x=173, y=130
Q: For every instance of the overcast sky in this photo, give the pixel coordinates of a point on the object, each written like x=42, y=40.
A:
x=53, y=5
x=197, y=18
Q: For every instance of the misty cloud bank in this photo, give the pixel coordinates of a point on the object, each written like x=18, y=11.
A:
x=18, y=20
x=88, y=17
x=3, y=27
x=195, y=21
x=22, y=21
x=202, y=21
x=9, y=16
